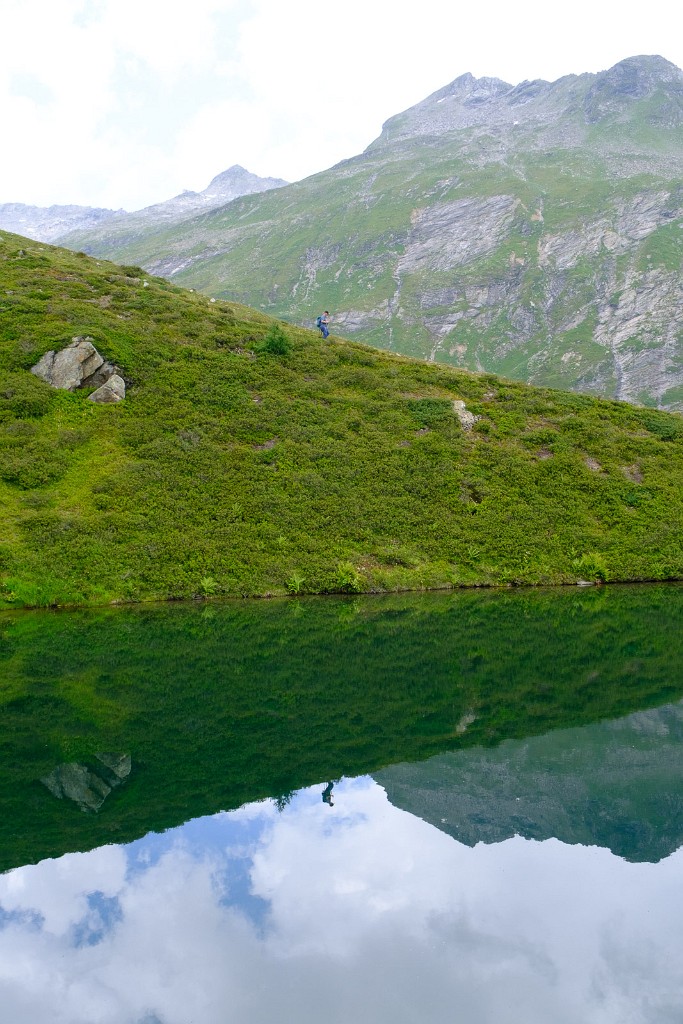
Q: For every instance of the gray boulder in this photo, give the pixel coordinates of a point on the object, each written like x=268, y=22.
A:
x=111, y=391
x=68, y=368
x=80, y=365
x=101, y=375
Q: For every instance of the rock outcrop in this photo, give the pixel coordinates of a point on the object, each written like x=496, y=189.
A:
x=68, y=368
x=467, y=418
x=80, y=365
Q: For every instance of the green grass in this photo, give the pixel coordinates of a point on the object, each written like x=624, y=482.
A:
x=271, y=468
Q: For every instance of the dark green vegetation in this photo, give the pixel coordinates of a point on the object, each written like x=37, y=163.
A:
x=226, y=703
x=251, y=458
x=532, y=231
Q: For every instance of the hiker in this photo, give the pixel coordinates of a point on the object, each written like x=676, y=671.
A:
x=322, y=322
x=328, y=796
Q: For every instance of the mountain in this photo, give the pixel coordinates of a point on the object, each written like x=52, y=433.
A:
x=223, y=189
x=614, y=784
x=530, y=230
x=251, y=457
x=47, y=224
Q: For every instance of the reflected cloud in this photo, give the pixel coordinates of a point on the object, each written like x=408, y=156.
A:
x=353, y=911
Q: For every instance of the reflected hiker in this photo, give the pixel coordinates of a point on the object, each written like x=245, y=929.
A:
x=328, y=796
x=322, y=322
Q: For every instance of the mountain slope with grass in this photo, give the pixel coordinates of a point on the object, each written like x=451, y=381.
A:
x=250, y=457
x=530, y=230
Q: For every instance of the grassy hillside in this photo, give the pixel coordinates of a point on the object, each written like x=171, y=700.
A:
x=251, y=458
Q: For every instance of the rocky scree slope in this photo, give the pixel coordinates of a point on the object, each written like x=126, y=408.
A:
x=533, y=230
x=249, y=457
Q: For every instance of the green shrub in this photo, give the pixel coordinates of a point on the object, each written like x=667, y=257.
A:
x=591, y=566
x=23, y=396
x=276, y=342
x=431, y=412
x=663, y=425
x=348, y=580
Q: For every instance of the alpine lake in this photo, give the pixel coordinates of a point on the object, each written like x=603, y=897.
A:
x=450, y=807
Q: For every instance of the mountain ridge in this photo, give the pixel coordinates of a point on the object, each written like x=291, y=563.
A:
x=471, y=101
x=48, y=224
x=614, y=784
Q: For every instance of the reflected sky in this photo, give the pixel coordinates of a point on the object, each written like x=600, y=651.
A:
x=356, y=912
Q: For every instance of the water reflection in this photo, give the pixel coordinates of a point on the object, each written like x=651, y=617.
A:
x=331, y=902
x=360, y=911
x=212, y=708
x=615, y=784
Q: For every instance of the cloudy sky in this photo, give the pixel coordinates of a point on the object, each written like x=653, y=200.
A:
x=356, y=912
x=122, y=103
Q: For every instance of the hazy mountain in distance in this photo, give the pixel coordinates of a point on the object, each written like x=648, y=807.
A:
x=47, y=224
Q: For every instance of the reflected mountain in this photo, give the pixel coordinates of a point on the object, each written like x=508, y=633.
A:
x=615, y=784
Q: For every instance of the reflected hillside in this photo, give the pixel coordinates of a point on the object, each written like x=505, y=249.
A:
x=615, y=784
x=159, y=714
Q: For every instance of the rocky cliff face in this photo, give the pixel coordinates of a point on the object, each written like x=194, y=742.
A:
x=532, y=230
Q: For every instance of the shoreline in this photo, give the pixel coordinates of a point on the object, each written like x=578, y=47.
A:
x=201, y=599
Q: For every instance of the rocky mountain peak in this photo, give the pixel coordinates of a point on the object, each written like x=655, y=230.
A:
x=469, y=102
x=639, y=76
x=236, y=172
x=237, y=181
x=632, y=80
x=473, y=90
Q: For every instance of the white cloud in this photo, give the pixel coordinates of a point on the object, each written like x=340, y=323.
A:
x=147, y=97
x=57, y=890
x=371, y=915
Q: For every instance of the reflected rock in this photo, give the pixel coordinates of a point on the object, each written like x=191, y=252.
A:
x=119, y=764
x=88, y=787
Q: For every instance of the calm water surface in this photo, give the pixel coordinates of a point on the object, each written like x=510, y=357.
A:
x=462, y=807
